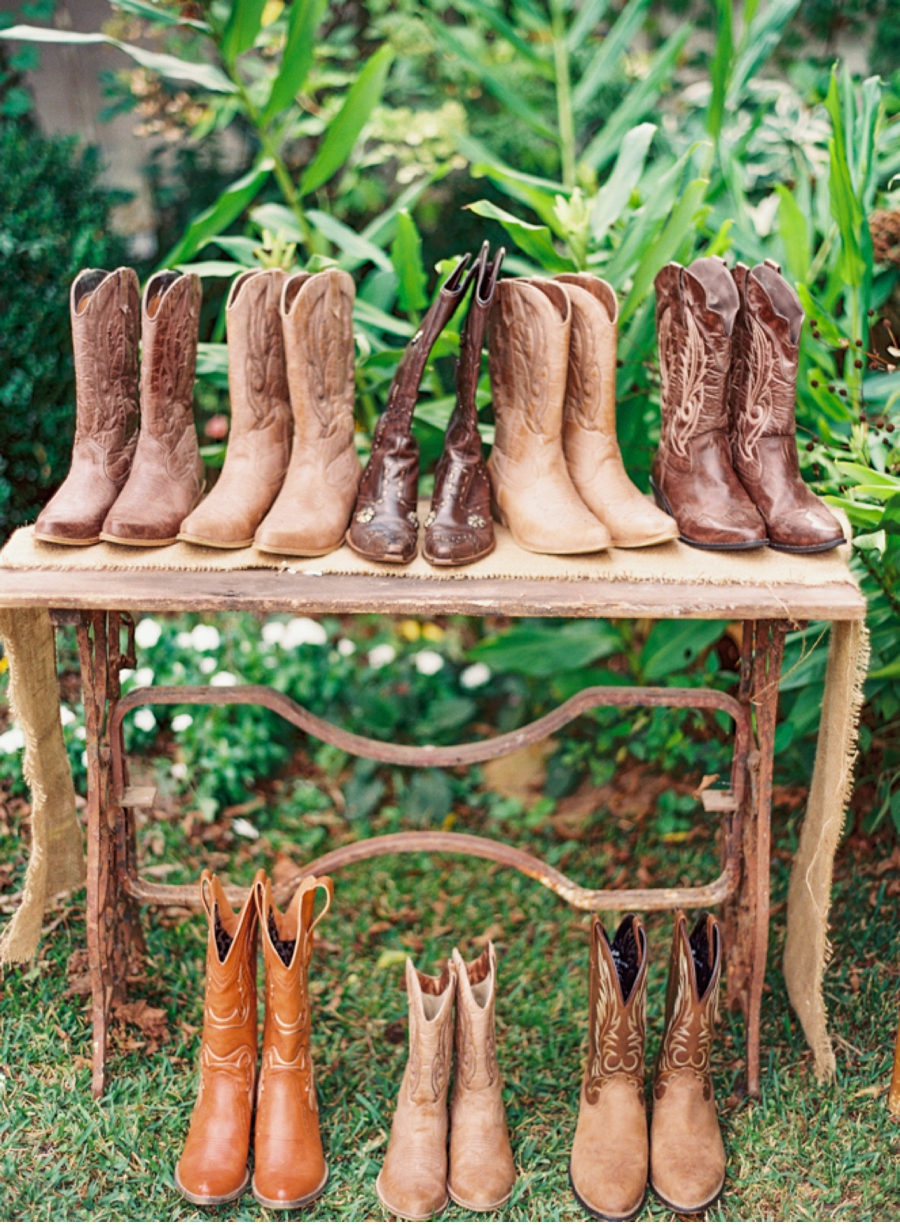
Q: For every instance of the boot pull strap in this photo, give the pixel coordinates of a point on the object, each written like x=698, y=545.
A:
x=311, y=884
x=206, y=893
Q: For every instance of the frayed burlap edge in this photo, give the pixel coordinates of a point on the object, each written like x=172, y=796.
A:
x=807, y=950
x=56, y=860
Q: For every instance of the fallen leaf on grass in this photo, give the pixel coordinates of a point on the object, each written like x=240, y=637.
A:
x=518, y=775
x=870, y=1091
x=494, y=932
x=391, y=957
x=78, y=974
x=152, y=1022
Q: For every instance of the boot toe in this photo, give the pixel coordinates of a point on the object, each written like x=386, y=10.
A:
x=481, y=1188
x=806, y=530
x=133, y=529
x=287, y=1182
x=456, y=546
x=394, y=542
x=417, y=1197
x=59, y=529
x=213, y=1182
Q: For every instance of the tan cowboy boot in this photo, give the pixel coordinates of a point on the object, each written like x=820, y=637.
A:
x=213, y=1167
x=311, y=513
x=589, y=433
x=763, y=396
x=105, y=309
x=413, y=1180
x=259, y=441
x=610, y=1153
x=166, y=478
x=687, y=1157
x=290, y=1167
x=528, y=351
x=482, y=1170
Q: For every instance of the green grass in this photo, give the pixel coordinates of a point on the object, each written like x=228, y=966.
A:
x=803, y=1152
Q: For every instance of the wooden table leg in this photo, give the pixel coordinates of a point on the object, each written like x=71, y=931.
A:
x=894, y=1094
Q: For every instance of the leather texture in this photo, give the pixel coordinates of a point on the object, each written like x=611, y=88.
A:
x=289, y=1164
x=413, y=1180
x=259, y=440
x=763, y=396
x=528, y=351
x=105, y=313
x=482, y=1171
x=687, y=1156
x=610, y=1152
x=385, y=525
x=212, y=1168
x=589, y=415
x=166, y=478
x=459, y=528
x=692, y=473
x=310, y=514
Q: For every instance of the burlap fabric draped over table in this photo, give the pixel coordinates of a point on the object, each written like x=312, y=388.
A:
x=56, y=861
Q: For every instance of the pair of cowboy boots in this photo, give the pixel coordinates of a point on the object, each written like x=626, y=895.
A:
x=291, y=470
x=417, y=1177
x=136, y=467
x=458, y=530
x=612, y=1154
x=557, y=475
x=727, y=466
x=289, y=1165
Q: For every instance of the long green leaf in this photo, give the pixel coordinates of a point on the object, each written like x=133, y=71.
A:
x=683, y=219
x=608, y=54
x=229, y=206
x=794, y=233
x=243, y=25
x=343, y=131
x=845, y=207
x=496, y=20
x=373, y=317
x=615, y=193
x=534, y=240
x=352, y=244
x=590, y=13
x=280, y=220
x=162, y=16
x=762, y=36
x=516, y=185
x=406, y=256
x=720, y=69
x=297, y=57
x=207, y=75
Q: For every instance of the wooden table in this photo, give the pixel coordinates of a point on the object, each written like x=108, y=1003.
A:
x=93, y=601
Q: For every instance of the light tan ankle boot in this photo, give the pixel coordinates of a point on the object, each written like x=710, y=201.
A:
x=608, y=1168
x=312, y=511
x=413, y=1180
x=482, y=1170
x=589, y=430
x=687, y=1157
x=532, y=492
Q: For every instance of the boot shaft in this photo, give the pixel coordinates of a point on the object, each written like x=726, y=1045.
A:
x=462, y=432
x=257, y=377
x=617, y=1007
x=591, y=374
x=229, y=1010
x=170, y=318
x=476, y=1043
x=317, y=320
x=692, y=999
x=430, y=1037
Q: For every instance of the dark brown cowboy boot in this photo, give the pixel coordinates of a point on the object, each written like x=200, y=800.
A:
x=608, y=1167
x=459, y=528
x=385, y=526
x=105, y=308
x=687, y=1156
x=763, y=395
x=166, y=478
x=692, y=475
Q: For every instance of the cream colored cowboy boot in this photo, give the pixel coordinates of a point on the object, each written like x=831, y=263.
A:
x=413, y=1180
x=608, y=1167
x=482, y=1170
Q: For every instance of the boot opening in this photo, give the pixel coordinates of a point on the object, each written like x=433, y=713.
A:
x=224, y=940
x=157, y=290
x=782, y=296
x=718, y=284
x=284, y=948
x=478, y=973
x=433, y=992
x=84, y=288
x=704, y=957
x=626, y=956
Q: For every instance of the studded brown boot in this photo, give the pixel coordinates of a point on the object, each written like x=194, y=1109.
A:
x=166, y=478
x=259, y=441
x=763, y=395
x=105, y=309
x=692, y=475
x=213, y=1167
x=687, y=1156
x=608, y=1167
x=385, y=524
x=413, y=1180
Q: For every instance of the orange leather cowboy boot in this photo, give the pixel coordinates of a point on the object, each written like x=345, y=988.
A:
x=213, y=1167
x=290, y=1167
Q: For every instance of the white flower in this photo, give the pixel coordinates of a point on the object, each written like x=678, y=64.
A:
x=143, y=677
x=346, y=647
x=126, y=674
x=474, y=676
x=244, y=829
x=145, y=719
x=428, y=662
x=66, y=716
x=273, y=632
x=84, y=759
x=205, y=638
x=12, y=741
x=224, y=678
x=207, y=665
x=179, y=770
x=81, y=733
x=383, y=654
x=184, y=640
x=182, y=722
x=147, y=633
x=303, y=631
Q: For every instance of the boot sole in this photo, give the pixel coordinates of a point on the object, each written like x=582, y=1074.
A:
x=138, y=544
x=270, y=549
x=206, y=543
x=680, y=1208
x=285, y=1204
x=644, y=544
x=210, y=1201
x=813, y=548
x=738, y=547
x=66, y=540
x=461, y=561
x=479, y=1207
x=604, y=1216
x=405, y=1215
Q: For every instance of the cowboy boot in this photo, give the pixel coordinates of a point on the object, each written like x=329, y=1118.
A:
x=290, y=1167
x=212, y=1168
x=692, y=475
x=105, y=311
x=763, y=394
x=259, y=441
x=413, y=1180
x=459, y=528
x=385, y=525
x=310, y=514
x=589, y=429
x=166, y=478
x=482, y=1170
x=687, y=1157
x=528, y=351
x=610, y=1153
